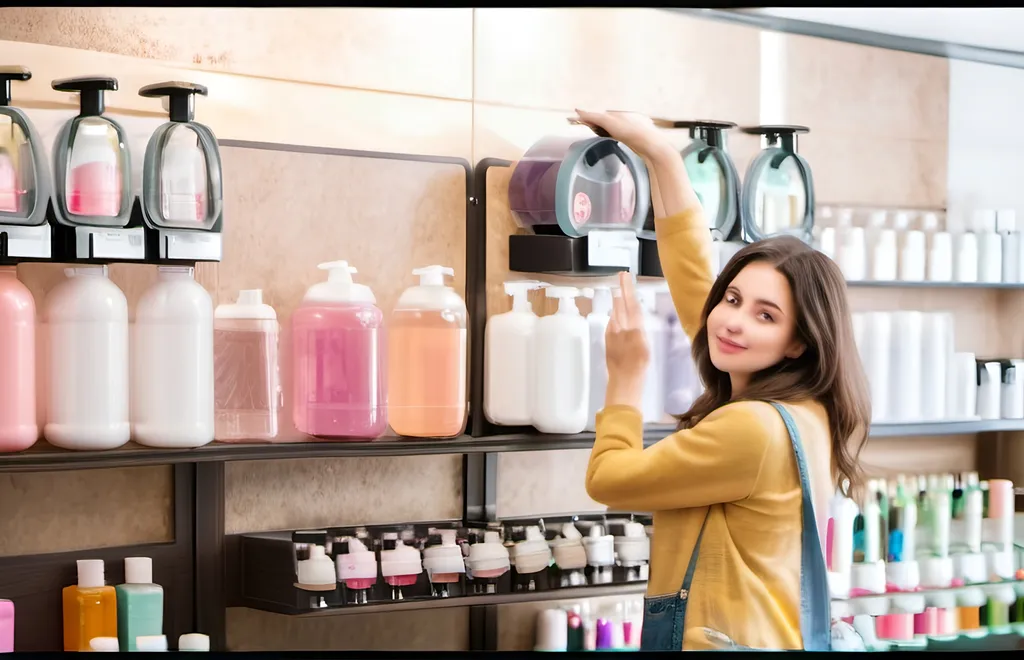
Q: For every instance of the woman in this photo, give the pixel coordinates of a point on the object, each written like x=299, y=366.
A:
x=774, y=328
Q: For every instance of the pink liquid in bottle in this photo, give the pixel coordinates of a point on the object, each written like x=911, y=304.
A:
x=339, y=374
x=95, y=189
x=18, y=428
x=8, y=184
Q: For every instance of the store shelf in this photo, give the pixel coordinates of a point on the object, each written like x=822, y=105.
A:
x=43, y=457
x=573, y=593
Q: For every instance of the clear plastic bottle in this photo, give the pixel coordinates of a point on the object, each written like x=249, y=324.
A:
x=87, y=340
x=18, y=428
x=172, y=385
x=339, y=359
x=94, y=172
x=427, y=379
x=247, y=385
x=561, y=354
x=183, y=177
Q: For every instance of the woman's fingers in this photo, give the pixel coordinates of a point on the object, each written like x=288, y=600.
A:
x=634, y=316
x=618, y=315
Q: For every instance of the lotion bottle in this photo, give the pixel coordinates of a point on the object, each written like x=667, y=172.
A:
x=90, y=607
x=18, y=427
x=6, y=626
x=172, y=385
x=140, y=603
x=656, y=329
x=561, y=387
x=508, y=360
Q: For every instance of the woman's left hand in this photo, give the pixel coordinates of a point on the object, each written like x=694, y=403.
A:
x=626, y=350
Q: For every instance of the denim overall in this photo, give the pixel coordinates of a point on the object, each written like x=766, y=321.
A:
x=665, y=616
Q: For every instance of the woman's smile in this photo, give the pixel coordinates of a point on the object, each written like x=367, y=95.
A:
x=729, y=347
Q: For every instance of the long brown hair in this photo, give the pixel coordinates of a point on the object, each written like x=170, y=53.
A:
x=829, y=371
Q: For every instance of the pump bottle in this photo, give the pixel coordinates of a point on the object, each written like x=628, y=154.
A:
x=339, y=385
x=597, y=321
x=561, y=376
x=90, y=607
x=427, y=378
x=508, y=360
x=18, y=427
x=140, y=603
x=656, y=329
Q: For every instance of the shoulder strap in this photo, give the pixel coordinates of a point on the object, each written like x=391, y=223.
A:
x=815, y=602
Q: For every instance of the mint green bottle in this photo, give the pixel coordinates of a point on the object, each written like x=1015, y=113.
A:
x=140, y=603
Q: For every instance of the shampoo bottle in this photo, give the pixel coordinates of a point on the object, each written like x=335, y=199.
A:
x=140, y=603
x=339, y=386
x=656, y=329
x=561, y=387
x=682, y=384
x=90, y=607
x=87, y=337
x=246, y=376
x=597, y=321
x=427, y=381
x=172, y=393
x=18, y=428
x=508, y=359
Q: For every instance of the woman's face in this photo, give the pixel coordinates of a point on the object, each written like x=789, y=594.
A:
x=753, y=327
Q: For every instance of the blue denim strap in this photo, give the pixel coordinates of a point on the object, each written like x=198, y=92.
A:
x=815, y=602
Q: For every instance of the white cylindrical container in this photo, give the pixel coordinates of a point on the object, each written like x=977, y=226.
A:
x=965, y=257
x=87, y=336
x=597, y=321
x=172, y=374
x=852, y=253
x=561, y=374
x=247, y=380
x=940, y=257
x=963, y=388
x=989, y=389
x=990, y=257
x=656, y=329
x=913, y=253
x=884, y=256
x=194, y=642
x=906, y=376
x=552, y=630
x=508, y=359
x=1012, y=389
x=877, y=352
x=937, y=355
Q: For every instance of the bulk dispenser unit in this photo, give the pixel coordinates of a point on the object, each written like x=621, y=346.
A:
x=714, y=178
x=581, y=202
x=25, y=185
x=93, y=199
x=182, y=189
x=778, y=190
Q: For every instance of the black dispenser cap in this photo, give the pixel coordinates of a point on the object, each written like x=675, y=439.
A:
x=91, y=89
x=711, y=131
x=8, y=74
x=181, y=97
x=783, y=135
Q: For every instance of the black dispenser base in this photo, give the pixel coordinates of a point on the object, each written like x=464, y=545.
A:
x=650, y=262
x=553, y=255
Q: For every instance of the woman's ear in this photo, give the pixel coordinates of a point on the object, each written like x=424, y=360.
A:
x=796, y=349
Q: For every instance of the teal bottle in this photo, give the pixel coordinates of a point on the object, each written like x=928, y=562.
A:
x=140, y=603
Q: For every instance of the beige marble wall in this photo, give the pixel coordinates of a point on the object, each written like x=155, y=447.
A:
x=460, y=82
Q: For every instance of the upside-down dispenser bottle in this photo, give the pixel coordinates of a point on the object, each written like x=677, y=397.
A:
x=532, y=558
x=443, y=562
x=25, y=183
x=778, y=189
x=400, y=564
x=487, y=562
x=339, y=359
x=357, y=569
x=182, y=186
x=570, y=556
x=427, y=369
x=572, y=185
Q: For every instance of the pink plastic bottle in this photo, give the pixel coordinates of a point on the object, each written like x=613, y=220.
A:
x=18, y=428
x=338, y=362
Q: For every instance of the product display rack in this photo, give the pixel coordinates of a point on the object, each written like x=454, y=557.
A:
x=199, y=565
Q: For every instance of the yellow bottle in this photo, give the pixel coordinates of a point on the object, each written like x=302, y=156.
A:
x=90, y=607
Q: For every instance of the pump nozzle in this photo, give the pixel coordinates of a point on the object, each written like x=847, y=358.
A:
x=90, y=90
x=338, y=271
x=561, y=292
x=8, y=74
x=519, y=289
x=433, y=275
x=602, y=300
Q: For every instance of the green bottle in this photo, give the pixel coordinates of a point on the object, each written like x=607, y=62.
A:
x=140, y=603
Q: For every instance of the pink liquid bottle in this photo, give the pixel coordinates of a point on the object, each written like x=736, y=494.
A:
x=18, y=427
x=338, y=361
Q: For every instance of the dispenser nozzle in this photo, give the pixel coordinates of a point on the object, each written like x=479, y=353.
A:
x=433, y=275
x=180, y=98
x=602, y=300
x=9, y=74
x=338, y=271
x=561, y=292
x=519, y=290
x=90, y=90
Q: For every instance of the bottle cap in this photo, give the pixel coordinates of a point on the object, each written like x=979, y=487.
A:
x=90, y=573
x=138, y=570
x=104, y=644
x=151, y=643
x=433, y=275
x=194, y=642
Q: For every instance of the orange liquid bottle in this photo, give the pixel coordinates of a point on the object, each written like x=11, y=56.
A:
x=90, y=607
x=427, y=359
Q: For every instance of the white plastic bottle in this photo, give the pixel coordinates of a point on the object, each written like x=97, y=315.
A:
x=561, y=358
x=87, y=336
x=597, y=322
x=247, y=384
x=172, y=371
x=508, y=359
x=656, y=329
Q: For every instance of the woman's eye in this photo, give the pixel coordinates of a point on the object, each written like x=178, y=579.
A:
x=765, y=316
x=731, y=300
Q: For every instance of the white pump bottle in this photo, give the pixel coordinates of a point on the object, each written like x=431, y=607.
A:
x=656, y=329
x=508, y=359
x=561, y=358
x=597, y=322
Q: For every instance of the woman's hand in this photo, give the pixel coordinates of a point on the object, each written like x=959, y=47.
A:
x=635, y=131
x=626, y=350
